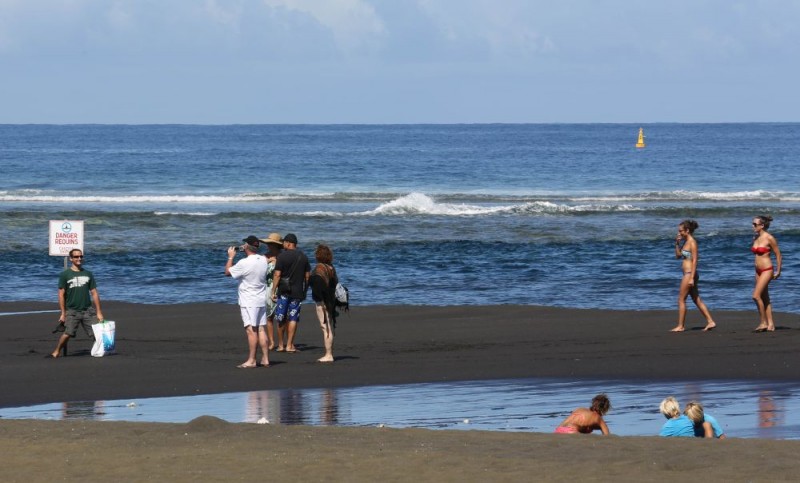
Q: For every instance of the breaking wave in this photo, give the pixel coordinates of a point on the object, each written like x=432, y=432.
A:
x=404, y=201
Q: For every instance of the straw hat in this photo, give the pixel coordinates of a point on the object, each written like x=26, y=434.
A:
x=273, y=238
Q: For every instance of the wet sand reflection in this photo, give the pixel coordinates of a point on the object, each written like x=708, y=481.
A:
x=497, y=405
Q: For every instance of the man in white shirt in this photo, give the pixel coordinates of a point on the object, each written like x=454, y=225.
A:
x=251, y=273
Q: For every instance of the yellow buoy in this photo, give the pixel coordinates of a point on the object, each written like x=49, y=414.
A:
x=640, y=141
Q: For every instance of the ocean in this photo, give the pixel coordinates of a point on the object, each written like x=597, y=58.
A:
x=568, y=215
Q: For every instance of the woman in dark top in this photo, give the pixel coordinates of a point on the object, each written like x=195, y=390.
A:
x=323, y=292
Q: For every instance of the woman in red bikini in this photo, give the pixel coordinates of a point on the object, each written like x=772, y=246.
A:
x=763, y=244
x=686, y=249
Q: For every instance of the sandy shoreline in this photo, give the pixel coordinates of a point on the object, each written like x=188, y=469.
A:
x=172, y=350
x=194, y=348
x=208, y=449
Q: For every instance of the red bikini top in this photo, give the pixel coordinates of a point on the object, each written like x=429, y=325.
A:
x=760, y=250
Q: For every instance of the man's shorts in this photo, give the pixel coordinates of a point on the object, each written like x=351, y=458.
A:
x=254, y=316
x=84, y=318
x=287, y=309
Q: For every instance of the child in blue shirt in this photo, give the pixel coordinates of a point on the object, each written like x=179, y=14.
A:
x=705, y=425
x=677, y=424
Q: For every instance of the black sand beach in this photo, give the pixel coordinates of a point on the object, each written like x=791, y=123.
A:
x=194, y=349
x=172, y=350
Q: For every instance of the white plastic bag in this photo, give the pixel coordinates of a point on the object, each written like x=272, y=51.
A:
x=104, y=338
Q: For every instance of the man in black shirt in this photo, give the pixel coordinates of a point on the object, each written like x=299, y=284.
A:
x=289, y=286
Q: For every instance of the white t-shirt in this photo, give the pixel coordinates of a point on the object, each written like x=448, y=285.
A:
x=251, y=273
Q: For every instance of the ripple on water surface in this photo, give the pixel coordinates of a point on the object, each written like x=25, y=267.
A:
x=747, y=409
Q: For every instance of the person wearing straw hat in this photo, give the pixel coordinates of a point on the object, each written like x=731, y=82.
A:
x=274, y=243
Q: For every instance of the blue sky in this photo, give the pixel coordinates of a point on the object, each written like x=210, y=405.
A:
x=398, y=61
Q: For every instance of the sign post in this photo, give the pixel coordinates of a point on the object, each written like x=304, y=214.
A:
x=65, y=235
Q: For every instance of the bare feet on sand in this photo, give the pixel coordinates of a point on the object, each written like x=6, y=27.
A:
x=709, y=326
x=325, y=359
x=677, y=329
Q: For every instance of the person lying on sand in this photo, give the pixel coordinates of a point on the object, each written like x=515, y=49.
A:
x=678, y=425
x=586, y=420
x=705, y=425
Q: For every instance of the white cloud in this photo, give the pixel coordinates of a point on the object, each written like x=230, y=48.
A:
x=119, y=17
x=414, y=60
x=7, y=13
x=355, y=25
x=509, y=33
x=507, y=28
x=227, y=15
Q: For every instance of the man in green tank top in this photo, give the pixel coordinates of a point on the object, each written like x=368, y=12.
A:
x=76, y=290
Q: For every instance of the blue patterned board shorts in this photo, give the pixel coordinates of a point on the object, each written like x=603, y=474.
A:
x=287, y=309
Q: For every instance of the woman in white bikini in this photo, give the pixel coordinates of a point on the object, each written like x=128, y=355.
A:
x=686, y=249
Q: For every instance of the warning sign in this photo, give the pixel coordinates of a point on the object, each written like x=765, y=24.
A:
x=65, y=235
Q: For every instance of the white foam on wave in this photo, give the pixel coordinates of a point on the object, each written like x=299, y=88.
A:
x=39, y=196
x=183, y=213
x=726, y=196
x=685, y=195
x=598, y=208
x=546, y=207
x=421, y=204
x=323, y=213
x=239, y=198
x=418, y=203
